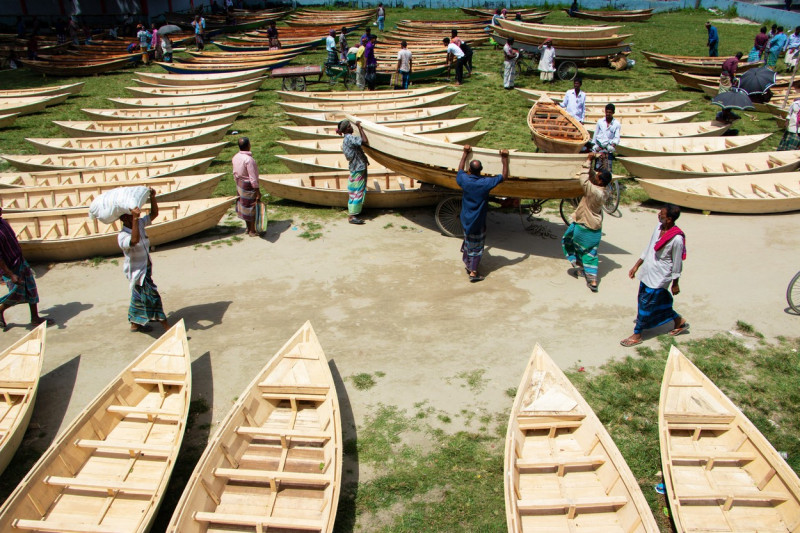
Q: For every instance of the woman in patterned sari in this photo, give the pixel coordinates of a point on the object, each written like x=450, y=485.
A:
x=357, y=183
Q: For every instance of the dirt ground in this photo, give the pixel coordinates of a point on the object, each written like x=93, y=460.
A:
x=384, y=298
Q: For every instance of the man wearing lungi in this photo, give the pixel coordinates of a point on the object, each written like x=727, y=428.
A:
x=661, y=264
x=245, y=173
x=474, y=204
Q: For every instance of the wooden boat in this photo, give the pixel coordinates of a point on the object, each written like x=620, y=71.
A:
x=700, y=65
x=323, y=118
x=582, y=55
x=107, y=143
x=203, y=79
x=223, y=68
x=231, y=58
x=275, y=463
x=183, y=101
x=421, y=126
x=555, y=131
x=636, y=15
x=562, y=470
x=699, y=166
x=167, y=112
x=679, y=129
x=149, y=91
x=628, y=108
x=489, y=13
x=95, y=128
x=627, y=119
x=89, y=68
x=693, y=81
x=117, y=175
x=319, y=163
x=169, y=189
x=68, y=234
x=119, y=158
x=571, y=41
x=547, y=30
x=331, y=146
x=29, y=104
x=8, y=120
x=370, y=106
x=674, y=146
x=357, y=96
x=109, y=469
x=720, y=472
x=747, y=194
x=600, y=98
x=20, y=369
x=72, y=88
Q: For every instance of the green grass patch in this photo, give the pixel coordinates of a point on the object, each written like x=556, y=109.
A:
x=363, y=381
x=311, y=232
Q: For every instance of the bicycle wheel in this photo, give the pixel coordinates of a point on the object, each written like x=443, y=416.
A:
x=567, y=70
x=448, y=216
x=611, y=197
x=793, y=293
x=567, y=208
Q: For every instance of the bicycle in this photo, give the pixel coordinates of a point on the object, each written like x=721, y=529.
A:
x=793, y=293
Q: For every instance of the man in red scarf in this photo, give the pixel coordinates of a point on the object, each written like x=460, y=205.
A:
x=661, y=264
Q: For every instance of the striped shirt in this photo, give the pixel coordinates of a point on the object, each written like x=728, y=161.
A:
x=10, y=252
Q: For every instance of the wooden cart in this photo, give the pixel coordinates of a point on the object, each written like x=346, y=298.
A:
x=294, y=78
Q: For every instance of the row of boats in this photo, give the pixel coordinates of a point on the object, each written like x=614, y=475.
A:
x=275, y=459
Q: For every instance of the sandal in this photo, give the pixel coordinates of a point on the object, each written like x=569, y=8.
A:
x=476, y=278
x=142, y=329
x=683, y=328
x=575, y=272
x=628, y=342
x=592, y=287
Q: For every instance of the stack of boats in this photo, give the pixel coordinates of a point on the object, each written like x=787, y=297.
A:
x=352, y=18
x=527, y=15
x=202, y=63
x=165, y=138
x=238, y=21
x=632, y=15
x=17, y=102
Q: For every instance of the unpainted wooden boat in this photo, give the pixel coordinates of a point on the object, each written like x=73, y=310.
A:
x=167, y=112
x=95, y=128
x=88, y=68
x=323, y=118
x=233, y=58
x=555, y=131
x=20, y=370
x=222, y=68
x=320, y=163
x=183, y=101
x=679, y=129
x=570, y=41
x=120, y=158
x=72, y=88
x=200, y=79
x=107, y=143
x=638, y=15
x=169, y=189
x=629, y=108
x=547, y=30
x=421, y=126
x=116, y=175
x=699, y=166
x=693, y=81
x=630, y=119
x=528, y=15
x=600, y=98
x=385, y=190
x=648, y=147
x=149, y=91
x=415, y=102
x=330, y=146
x=68, y=234
x=704, y=66
x=348, y=96
x=27, y=105
x=275, y=463
x=562, y=470
x=747, y=194
x=8, y=120
x=719, y=470
x=107, y=472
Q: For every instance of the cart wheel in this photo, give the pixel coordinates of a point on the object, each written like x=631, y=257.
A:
x=294, y=84
x=448, y=216
x=567, y=70
x=567, y=207
x=793, y=293
x=612, y=195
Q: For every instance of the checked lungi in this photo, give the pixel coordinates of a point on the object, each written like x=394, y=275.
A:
x=356, y=189
x=472, y=250
x=655, y=308
x=579, y=244
x=246, y=203
x=146, y=303
x=23, y=292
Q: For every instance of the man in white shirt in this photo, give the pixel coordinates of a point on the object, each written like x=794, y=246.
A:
x=510, y=57
x=575, y=101
x=404, y=64
x=330, y=47
x=455, y=54
x=792, y=46
x=606, y=135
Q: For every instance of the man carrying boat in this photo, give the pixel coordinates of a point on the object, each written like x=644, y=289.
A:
x=357, y=164
x=474, y=205
x=575, y=101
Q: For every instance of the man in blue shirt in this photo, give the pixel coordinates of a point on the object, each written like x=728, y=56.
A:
x=713, y=40
x=474, y=204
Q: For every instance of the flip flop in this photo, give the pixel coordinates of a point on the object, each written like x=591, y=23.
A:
x=628, y=343
x=592, y=288
x=680, y=330
x=476, y=279
x=575, y=272
x=356, y=221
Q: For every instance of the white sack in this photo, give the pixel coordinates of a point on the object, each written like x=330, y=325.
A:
x=110, y=205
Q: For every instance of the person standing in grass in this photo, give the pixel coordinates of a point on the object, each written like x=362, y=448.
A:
x=791, y=138
x=361, y=63
x=760, y=43
x=343, y=44
x=357, y=163
x=661, y=262
x=199, y=25
x=245, y=174
x=405, y=63
x=574, y=101
x=474, y=205
x=776, y=46
x=713, y=40
x=510, y=57
x=455, y=55
x=792, y=47
x=547, y=62
x=381, y=13
x=330, y=47
x=371, y=76
x=727, y=77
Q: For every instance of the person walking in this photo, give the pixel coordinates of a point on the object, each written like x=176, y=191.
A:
x=245, y=174
x=455, y=55
x=144, y=38
x=145, y=305
x=330, y=47
x=582, y=238
x=357, y=164
x=661, y=264
x=371, y=63
x=574, y=101
x=381, y=14
x=474, y=205
x=713, y=40
x=547, y=62
x=199, y=25
x=405, y=62
x=606, y=136
x=510, y=57
x=775, y=47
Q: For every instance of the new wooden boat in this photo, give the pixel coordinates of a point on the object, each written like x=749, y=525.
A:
x=631, y=119
x=330, y=146
x=720, y=472
x=117, y=175
x=26, y=105
x=693, y=81
x=699, y=166
x=203, y=79
x=89, y=68
x=167, y=112
x=121, y=158
x=385, y=190
x=747, y=194
x=636, y=15
x=169, y=189
x=679, y=129
x=562, y=470
x=107, y=143
x=404, y=115
x=223, y=68
x=319, y=163
x=275, y=463
x=647, y=147
x=233, y=58
x=528, y=15
x=183, y=101
x=357, y=96
x=600, y=98
x=555, y=131
x=20, y=369
x=108, y=470
x=94, y=128
x=373, y=106
x=68, y=234
x=581, y=55
x=630, y=108
x=72, y=88
x=546, y=30
x=700, y=65
x=421, y=126
x=149, y=91
x=8, y=120
x=571, y=41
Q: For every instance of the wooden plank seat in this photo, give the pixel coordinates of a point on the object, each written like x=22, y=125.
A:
x=149, y=411
x=57, y=526
x=688, y=418
x=570, y=505
x=256, y=521
x=716, y=457
x=561, y=463
x=131, y=447
x=300, y=434
x=269, y=476
x=306, y=388
x=533, y=425
x=11, y=391
x=730, y=499
x=156, y=381
x=90, y=483
x=292, y=396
